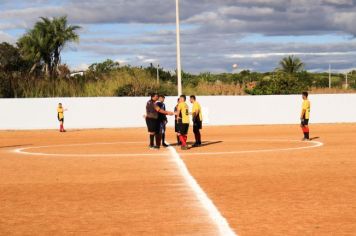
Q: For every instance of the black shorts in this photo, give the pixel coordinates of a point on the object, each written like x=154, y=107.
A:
x=183, y=128
x=197, y=125
x=305, y=122
x=152, y=125
x=60, y=119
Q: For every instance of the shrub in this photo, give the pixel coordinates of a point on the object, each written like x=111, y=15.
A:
x=280, y=84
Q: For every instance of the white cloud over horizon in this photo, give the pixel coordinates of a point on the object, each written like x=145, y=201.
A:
x=214, y=32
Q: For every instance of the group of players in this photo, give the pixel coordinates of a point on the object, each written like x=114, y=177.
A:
x=156, y=120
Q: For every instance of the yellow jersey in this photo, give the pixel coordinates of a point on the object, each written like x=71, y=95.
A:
x=184, y=113
x=60, y=112
x=197, y=109
x=306, y=107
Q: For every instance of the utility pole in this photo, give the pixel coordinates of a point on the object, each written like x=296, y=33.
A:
x=179, y=67
x=158, y=74
x=347, y=82
x=329, y=76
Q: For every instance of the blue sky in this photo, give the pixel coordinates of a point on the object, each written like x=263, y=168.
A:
x=255, y=34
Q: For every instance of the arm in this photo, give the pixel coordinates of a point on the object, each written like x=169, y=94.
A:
x=303, y=114
x=177, y=113
x=195, y=112
x=158, y=109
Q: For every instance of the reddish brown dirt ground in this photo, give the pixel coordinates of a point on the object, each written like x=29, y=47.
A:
x=290, y=192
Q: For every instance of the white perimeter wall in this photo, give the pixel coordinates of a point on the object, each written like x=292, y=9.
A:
x=128, y=112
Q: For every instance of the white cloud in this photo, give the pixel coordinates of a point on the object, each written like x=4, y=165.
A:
x=122, y=61
x=283, y=54
x=80, y=67
x=4, y=37
x=339, y=2
x=211, y=42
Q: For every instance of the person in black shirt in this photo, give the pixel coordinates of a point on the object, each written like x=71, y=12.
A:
x=162, y=119
x=152, y=114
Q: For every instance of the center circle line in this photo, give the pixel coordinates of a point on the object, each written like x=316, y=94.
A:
x=24, y=151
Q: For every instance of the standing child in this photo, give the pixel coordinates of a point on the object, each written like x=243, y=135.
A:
x=183, y=121
x=60, y=116
x=197, y=120
x=305, y=116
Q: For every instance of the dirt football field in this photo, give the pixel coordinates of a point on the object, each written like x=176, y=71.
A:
x=244, y=180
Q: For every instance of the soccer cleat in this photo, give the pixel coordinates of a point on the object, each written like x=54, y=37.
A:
x=165, y=145
x=184, y=148
x=196, y=145
x=156, y=147
x=151, y=147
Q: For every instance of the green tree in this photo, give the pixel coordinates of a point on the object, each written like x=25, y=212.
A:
x=104, y=67
x=291, y=65
x=101, y=69
x=62, y=34
x=279, y=84
x=12, y=67
x=10, y=59
x=44, y=43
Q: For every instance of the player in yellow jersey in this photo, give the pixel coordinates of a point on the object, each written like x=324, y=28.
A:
x=183, y=121
x=305, y=116
x=176, y=123
x=60, y=116
x=197, y=120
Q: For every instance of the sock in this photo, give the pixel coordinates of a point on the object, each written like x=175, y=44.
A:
x=182, y=140
x=158, y=140
x=196, y=137
x=178, y=140
x=163, y=138
x=185, y=138
x=199, y=138
x=152, y=138
x=303, y=129
x=307, y=132
x=61, y=128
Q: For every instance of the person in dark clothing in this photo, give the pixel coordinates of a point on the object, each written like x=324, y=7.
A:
x=197, y=120
x=162, y=119
x=152, y=114
x=176, y=123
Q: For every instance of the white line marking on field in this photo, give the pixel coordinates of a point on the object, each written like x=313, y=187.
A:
x=315, y=145
x=222, y=224
x=218, y=219
x=23, y=151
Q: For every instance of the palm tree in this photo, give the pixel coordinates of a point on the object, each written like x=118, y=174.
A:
x=44, y=43
x=291, y=65
x=33, y=47
x=63, y=33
